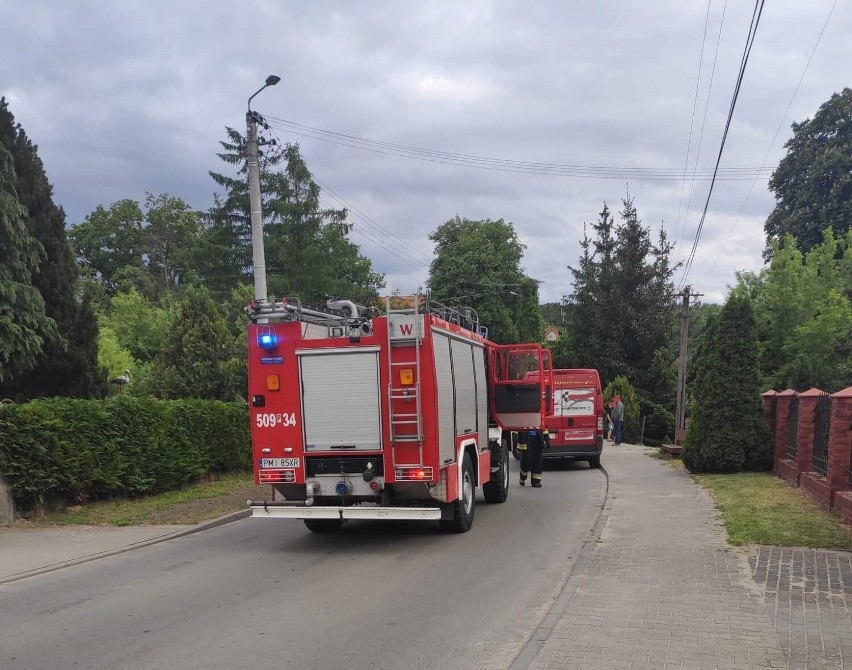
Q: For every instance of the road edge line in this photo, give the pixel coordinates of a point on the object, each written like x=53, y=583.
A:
x=206, y=525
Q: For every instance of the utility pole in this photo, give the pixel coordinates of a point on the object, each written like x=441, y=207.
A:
x=257, y=252
x=680, y=408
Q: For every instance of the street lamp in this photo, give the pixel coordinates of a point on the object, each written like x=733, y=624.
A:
x=271, y=80
x=258, y=256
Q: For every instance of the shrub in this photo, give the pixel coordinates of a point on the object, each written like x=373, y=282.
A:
x=82, y=450
x=727, y=431
x=659, y=423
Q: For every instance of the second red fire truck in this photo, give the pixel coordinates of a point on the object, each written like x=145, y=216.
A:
x=401, y=415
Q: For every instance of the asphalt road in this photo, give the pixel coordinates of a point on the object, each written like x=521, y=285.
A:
x=270, y=594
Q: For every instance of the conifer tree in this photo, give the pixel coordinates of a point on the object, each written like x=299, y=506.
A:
x=195, y=361
x=622, y=316
x=308, y=252
x=727, y=430
x=23, y=323
x=67, y=365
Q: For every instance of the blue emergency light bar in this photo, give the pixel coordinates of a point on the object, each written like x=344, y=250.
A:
x=267, y=340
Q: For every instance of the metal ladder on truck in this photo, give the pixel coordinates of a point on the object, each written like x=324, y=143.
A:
x=405, y=426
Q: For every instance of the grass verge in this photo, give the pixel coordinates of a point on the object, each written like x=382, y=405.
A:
x=759, y=508
x=191, y=504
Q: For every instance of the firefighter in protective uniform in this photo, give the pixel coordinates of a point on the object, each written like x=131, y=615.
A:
x=532, y=443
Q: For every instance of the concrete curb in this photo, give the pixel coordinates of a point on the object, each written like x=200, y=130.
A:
x=207, y=525
x=542, y=633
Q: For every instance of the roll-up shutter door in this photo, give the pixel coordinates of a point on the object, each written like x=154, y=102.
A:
x=465, y=387
x=481, y=394
x=341, y=400
x=446, y=399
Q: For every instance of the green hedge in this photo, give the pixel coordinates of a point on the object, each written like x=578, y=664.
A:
x=83, y=450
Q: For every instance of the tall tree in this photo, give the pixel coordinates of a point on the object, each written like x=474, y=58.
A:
x=477, y=264
x=110, y=241
x=621, y=317
x=308, y=252
x=727, y=430
x=813, y=182
x=171, y=233
x=803, y=304
x=67, y=365
x=153, y=250
x=23, y=322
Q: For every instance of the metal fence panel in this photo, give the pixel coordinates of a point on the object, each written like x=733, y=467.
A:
x=792, y=427
x=822, y=431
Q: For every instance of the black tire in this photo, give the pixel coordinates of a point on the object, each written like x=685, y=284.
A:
x=497, y=490
x=323, y=525
x=595, y=462
x=464, y=508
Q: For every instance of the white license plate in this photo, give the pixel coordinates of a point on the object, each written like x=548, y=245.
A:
x=279, y=462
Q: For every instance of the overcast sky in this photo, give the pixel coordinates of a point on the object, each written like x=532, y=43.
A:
x=128, y=97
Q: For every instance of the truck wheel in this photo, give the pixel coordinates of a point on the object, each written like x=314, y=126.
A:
x=463, y=508
x=323, y=525
x=497, y=490
x=595, y=462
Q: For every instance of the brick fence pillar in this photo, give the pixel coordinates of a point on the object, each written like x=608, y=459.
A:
x=782, y=466
x=840, y=452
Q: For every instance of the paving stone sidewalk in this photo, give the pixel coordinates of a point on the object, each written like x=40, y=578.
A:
x=662, y=588
x=807, y=593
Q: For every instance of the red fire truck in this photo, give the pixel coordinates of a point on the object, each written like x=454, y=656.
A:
x=357, y=415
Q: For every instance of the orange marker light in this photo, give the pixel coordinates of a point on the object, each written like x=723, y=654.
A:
x=273, y=383
x=406, y=376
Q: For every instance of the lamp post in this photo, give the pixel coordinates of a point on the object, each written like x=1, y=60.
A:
x=258, y=256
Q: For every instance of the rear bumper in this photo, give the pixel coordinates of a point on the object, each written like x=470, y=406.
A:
x=297, y=510
x=573, y=451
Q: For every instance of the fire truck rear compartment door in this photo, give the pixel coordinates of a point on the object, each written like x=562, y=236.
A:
x=341, y=400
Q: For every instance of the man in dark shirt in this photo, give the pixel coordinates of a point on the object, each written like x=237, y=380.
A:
x=617, y=418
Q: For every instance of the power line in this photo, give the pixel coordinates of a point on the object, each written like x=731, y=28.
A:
x=755, y=21
x=703, y=125
x=692, y=118
x=509, y=165
x=403, y=246
x=381, y=243
x=772, y=143
x=385, y=239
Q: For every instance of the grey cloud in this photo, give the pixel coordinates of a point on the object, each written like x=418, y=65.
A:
x=129, y=97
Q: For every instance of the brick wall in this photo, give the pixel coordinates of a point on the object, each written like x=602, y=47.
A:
x=832, y=491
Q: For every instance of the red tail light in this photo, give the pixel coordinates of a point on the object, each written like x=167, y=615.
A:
x=414, y=474
x=269, y=476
